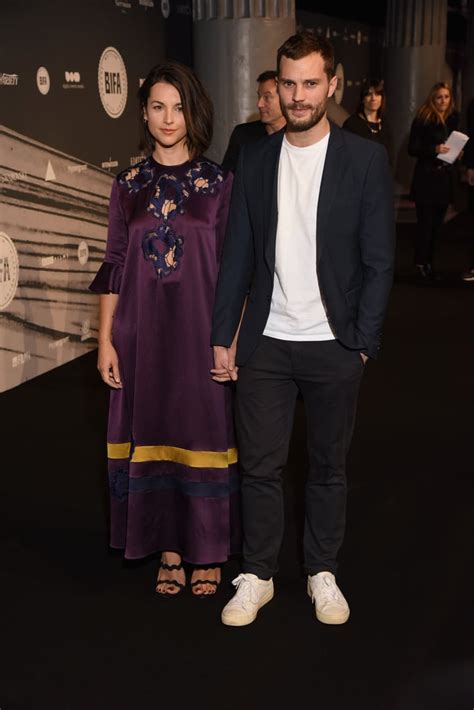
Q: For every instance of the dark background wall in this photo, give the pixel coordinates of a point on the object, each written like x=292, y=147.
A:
x=59, y=149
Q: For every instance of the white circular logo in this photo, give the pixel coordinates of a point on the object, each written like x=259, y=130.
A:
x=83, y=253
x=113, y=85
x=9, y=269
x=339, y=93
x=43, y=81
x=165, y=8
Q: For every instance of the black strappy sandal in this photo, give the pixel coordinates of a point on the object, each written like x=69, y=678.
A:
x=212, y=582
x=169, y=582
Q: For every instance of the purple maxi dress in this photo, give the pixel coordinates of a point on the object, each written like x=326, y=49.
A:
x=171, y=451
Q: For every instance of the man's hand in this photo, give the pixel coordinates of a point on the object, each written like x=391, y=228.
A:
x=364, y=357
x=442, y=148
x=225, y=368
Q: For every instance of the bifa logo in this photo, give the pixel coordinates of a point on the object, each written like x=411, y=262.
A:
x=43, y=82
x=9, y=268
x=113, y=84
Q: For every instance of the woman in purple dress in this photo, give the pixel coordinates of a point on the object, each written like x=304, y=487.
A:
x=171, y=449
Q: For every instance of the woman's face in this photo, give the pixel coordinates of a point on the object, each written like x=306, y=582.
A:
x=164, y=113
x=442, y=99
x=372, y=100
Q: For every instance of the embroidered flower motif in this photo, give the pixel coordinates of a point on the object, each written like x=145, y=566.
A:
x=164, y=249
x=118, y=484
x=204, y=177
x=169, y=196
x=138, y=176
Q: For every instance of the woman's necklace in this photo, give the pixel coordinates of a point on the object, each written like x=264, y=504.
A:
x=373, y=126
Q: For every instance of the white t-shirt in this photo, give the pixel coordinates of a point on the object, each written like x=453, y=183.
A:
x=297, y=312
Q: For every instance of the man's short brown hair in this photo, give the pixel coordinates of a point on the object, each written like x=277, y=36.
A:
x=303, y=43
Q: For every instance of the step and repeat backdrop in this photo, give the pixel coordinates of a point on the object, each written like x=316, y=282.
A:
x=69, y=121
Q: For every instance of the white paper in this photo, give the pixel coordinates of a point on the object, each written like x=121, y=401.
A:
x=456, y=143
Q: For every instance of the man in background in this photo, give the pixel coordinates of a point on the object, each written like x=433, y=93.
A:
x=271, y=120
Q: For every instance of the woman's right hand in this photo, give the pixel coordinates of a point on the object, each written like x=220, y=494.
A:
x=108, y=365
x=441, y=148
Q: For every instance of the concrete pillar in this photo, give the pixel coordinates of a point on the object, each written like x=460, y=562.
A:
x=234, y=41
x=415, y=41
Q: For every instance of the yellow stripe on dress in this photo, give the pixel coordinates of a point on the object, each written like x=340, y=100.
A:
x=119, y=451
x=187, y=457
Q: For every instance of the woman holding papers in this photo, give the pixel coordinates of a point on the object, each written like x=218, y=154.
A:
x=432, y=188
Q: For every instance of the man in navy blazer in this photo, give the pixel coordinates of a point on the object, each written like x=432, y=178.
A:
x=303, y=287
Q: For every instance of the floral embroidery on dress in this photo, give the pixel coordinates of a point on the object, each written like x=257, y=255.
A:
x=170, y=193
x=164, y=249
x=138, y=176
x=204, y=176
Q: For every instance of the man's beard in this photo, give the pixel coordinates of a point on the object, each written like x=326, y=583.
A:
x=300, y=125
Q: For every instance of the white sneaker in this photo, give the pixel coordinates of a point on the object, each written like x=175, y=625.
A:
x=252, y=593
x=329, y=602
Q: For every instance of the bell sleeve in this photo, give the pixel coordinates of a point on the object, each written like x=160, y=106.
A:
x=109, y=276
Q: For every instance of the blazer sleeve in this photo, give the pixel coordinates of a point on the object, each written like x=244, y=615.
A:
x=377, y=249
x=237, y=264
x=109, y=277
x=420, y=142
x=223, y=213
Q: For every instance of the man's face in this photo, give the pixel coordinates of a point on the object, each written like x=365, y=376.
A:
x=304, y=89
x=268, y=103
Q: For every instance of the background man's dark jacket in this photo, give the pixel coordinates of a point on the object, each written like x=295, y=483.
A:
x=355, y=243
x=243, y=134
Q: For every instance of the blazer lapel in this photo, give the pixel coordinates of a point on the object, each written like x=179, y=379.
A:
x=333, y=171
x=270, y=198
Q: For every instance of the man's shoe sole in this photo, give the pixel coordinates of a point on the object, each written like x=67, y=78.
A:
x=326, y=618
x=234, y=622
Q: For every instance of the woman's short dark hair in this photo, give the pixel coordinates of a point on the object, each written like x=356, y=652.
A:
x=378, y=86
x=197, y=106
x=306, y=42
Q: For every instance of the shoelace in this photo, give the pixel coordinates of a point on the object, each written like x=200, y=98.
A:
x=246, y=591
x=328, y=591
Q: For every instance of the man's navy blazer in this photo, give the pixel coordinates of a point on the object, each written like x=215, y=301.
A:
x=354, y=243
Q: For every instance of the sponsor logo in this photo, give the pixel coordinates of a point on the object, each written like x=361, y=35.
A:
x=50, y=260
x=56, y=344
x=9, y=270
x=77, y=168
x=73, y=80
x=86, y=332
x=43, y=82
x=21, y=359
x=8, y=79
x=123, y=4
x=83, y=253
x=113, y=84
x=107, y=164
x=136, y=159
x=12, y=176
x=150, y=3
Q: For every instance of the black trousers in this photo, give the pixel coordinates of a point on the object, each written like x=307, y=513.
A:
x=328, y=377
x=430, y=220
